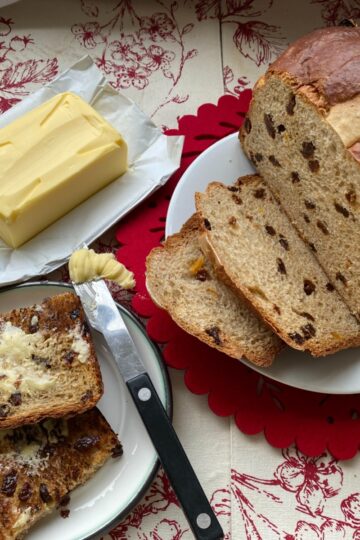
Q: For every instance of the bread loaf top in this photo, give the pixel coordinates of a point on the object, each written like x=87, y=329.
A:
x=327, y=60
x=323, y=67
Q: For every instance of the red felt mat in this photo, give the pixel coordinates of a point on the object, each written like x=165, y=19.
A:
x=314, y=422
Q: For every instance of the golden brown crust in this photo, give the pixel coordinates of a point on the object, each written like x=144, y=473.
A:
x=65, y=455
x=59, y=315
x=325, y=63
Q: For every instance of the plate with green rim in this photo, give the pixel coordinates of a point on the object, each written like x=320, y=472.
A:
x=119, y=485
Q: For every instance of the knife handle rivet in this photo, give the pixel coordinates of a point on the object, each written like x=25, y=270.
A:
x=203, y=521
x=144, y=394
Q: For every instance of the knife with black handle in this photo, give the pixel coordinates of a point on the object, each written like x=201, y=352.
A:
x=104, y=316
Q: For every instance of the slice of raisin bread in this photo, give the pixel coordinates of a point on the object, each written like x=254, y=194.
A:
x=182, y=281
x=257, y=248
x=48, y=366
x=302, y=133
x=40, y=464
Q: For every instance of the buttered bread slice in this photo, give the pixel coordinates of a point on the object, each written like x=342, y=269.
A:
x=181, y=280
x=42, y=463
x=52, y=159
x=260, y=252
x=48, y=366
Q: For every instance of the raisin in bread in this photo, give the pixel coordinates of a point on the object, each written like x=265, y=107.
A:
x=40, y=464
x=302, y=133
x=182, y=281
x=48, y=366
x=257, y=248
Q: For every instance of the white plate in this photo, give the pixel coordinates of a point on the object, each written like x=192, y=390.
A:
x=225, y=162
x=118, y=486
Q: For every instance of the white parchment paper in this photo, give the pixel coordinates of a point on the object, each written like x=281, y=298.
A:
x=153, y=157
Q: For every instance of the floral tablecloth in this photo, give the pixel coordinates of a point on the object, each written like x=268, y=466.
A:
x=170, y=57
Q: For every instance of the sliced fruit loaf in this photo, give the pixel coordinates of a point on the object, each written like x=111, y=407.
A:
x=302, y=132
x=260, y=252
x=48, y=365
x=182, y=281
x=40, y=464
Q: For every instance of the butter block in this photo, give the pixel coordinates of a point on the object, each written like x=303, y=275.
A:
x=52, y=159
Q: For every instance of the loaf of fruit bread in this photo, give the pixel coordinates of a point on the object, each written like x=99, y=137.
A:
x=181, y=280
x=262, y=255
x=302, y=132
x=48, y=365
x=40, y=464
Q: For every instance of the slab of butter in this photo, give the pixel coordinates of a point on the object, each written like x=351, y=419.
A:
x=52, y=159
x=86, y=265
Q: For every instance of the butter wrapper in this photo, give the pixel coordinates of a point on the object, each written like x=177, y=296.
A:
x=153, y=158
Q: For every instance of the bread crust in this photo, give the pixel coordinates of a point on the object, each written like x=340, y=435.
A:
x=58, y=316
x=325, y=62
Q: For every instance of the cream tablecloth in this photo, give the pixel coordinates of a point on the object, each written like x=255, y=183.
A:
x=170, y=57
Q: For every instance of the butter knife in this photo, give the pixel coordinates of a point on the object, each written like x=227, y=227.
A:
x=103, y=315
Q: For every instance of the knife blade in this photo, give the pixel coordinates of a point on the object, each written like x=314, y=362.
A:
x=104, y=316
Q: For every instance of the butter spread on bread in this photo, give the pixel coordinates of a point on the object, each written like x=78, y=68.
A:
x=42, y=463
x=48, y=365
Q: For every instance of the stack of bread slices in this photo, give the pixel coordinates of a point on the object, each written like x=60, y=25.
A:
x=274, y=258
x=52, y=437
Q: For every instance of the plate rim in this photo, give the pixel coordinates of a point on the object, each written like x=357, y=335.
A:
x=189, y=170
x=168, y=399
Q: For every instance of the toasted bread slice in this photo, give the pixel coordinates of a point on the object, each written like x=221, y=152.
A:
x=181, y=280
x=48, y=366
x=41, y=463
x=262, y=255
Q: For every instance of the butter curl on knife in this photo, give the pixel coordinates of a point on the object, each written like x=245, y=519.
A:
x=86, y=265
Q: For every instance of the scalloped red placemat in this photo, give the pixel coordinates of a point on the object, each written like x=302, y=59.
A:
x=314, y=422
